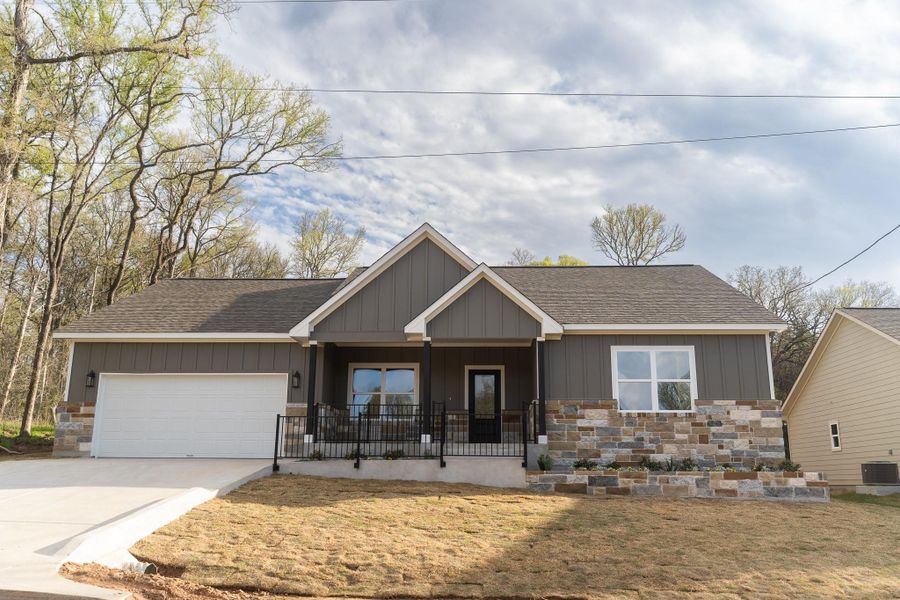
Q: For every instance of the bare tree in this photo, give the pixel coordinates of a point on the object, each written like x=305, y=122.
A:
x=240, y=128
x=635, y=235
x=785, y=292
x=168, y=28
x=322, y=247
x=521, y=257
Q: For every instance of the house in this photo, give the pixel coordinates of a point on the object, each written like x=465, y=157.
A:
x=426, y=353
x=844, y=409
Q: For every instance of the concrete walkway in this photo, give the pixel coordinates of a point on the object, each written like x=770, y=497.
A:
x=93, y=510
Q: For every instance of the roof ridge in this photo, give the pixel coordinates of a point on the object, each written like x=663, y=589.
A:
x=590, y=266
x=253, y=279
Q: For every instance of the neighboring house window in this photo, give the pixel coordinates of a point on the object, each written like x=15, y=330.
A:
x=654, y=379
x=383, y=389
x=835, y=436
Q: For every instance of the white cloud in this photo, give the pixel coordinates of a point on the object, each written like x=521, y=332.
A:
x=812, y=201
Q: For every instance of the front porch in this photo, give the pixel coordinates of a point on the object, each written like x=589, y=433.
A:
x=419, y=401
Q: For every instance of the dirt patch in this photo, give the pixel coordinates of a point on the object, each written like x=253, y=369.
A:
x=155, y=587
x=332, y=537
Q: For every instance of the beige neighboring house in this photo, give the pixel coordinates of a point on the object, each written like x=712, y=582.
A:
x=844, y=409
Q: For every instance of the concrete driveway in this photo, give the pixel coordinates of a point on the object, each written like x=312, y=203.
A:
x=93, y=510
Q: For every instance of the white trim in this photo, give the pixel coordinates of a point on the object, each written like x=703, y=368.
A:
x=417, y=328
x=98, y=407
x=69, y=371
x=769, y=365
x=175, y=337
x=837, y=435
x=594, y=328
x=613, y=350
x=384, y=366
x=426, y=231
x=525, y=344
x=501, y=368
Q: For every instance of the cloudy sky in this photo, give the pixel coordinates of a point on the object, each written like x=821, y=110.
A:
x=812, y=201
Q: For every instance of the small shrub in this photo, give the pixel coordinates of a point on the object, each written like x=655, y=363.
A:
x=394, y=454
x=648, y=464
x=688, y=464
x=316, y=455
x=354, y=454
x=585, y=464
x=762, y=467
x=613, y=466
x=787, y=465
x=545, y=462
x=671, y=465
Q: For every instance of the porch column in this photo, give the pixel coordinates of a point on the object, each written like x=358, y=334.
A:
x=542, y=394
x=311, y=412
x=426, y=391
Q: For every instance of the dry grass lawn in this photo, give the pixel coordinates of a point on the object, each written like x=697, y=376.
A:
x=337, y=537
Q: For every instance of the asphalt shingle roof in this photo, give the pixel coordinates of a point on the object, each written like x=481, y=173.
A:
x=635, y=295
x=685, y=294
x=885, y=320
x=210, y=305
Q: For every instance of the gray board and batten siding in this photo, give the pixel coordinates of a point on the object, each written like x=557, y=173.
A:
x=181, y=358
x=380, y=310
x=483, y=312
x=729, y=367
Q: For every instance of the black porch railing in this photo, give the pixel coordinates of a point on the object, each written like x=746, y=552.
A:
x=402, y=432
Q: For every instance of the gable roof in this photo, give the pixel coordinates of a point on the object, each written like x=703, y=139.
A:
x=418, y=326
x=360, y=278
x=884, y=322
x=208, y=306
x=579, y=299
x=613, y=295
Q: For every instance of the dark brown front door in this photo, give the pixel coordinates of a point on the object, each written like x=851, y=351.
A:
x=484, y=405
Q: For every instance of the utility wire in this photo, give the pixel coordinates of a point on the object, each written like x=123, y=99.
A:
x=753, y=136
x=843, y=264
x=622, y=145
x=424, y=92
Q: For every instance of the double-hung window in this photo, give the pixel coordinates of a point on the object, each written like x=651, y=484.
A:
x=654, y=378
x=835, y=436
x=383, y=389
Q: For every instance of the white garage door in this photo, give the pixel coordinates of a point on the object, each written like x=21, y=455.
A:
x=173, y=415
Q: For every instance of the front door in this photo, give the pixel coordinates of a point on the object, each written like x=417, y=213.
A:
x=484, y=405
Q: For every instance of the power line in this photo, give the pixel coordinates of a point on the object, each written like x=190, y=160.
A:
x=433, y=92
x=843, y=264
x=539, y=150
x=622, y=145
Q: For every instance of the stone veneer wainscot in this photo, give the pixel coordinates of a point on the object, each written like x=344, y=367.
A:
x=740, y=433
x=735, y=485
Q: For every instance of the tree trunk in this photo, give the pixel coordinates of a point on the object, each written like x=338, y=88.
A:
x=9, y=151
x=40, y=350
x=20, y=339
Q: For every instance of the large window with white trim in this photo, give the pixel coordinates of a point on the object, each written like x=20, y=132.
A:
x=383, y=389
x=654, y=378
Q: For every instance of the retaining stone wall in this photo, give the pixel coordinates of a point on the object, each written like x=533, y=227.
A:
x=773, y=485
x=740, y=433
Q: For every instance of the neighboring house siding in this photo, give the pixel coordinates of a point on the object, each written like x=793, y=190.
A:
x=484, y=312
x=177, y=357
x=382, y=308
x=448, y=370
x=856, y=382
x=729, y=367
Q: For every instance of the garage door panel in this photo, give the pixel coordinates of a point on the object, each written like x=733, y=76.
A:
x=188, y=415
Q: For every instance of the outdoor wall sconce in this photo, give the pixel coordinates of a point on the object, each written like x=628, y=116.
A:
x=295, y=379
x=91, y=379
